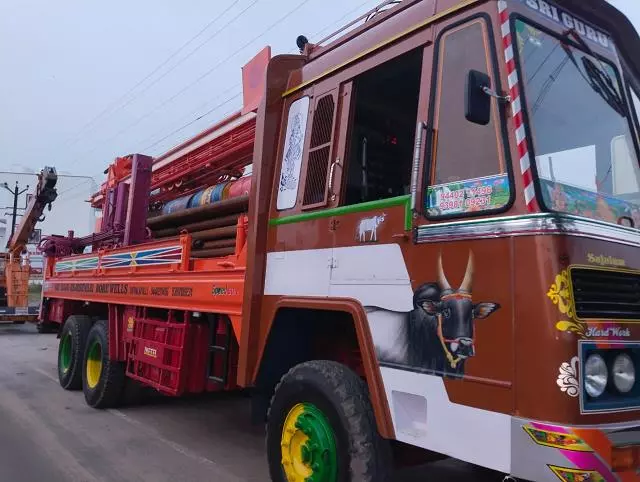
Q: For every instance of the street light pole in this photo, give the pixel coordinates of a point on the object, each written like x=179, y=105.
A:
x=16, y=192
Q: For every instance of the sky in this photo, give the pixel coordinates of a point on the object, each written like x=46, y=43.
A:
x=84, y=81
x=68, y=61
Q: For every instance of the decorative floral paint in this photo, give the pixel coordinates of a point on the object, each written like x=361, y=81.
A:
x=581, y=447
x=573, y=200
x=568, y=377
x=576, y=475
x=474, y=195
x=560, y=295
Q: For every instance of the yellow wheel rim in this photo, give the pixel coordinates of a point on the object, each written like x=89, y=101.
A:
x=292, y=442
x=308, y=446
x=94, y=364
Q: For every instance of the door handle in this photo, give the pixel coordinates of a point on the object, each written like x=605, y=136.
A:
x=331, y=175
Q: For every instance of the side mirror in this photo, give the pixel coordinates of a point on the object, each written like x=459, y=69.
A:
x=477, y=105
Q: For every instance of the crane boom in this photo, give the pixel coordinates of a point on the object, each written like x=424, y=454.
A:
x=14, y=282
x=45, y=194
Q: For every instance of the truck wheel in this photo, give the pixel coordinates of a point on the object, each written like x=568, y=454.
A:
x=321, y=428
x=73, y=338
x=102, y=379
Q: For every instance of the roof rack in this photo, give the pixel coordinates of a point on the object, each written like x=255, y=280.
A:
x=364, y=18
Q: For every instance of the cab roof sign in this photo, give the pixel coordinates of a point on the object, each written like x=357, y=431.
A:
x=570, y=22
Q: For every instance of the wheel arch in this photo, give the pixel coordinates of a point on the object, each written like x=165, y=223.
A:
x=58, y=310
x=273, y=362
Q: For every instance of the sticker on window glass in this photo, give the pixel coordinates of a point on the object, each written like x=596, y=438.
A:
x=581, y=202
x=568, y=21
x=468, y=196
x=292, y=154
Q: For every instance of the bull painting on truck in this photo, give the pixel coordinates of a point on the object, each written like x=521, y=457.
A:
x=438, y=335
x=414, y=260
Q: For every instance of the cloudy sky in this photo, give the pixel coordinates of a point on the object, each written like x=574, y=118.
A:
x=84, y=81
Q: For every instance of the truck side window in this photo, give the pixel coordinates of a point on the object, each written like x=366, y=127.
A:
x=292, y=154
x=382, y=133
x=468, y=171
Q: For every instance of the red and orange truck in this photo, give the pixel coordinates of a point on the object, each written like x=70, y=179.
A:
x=436, y=248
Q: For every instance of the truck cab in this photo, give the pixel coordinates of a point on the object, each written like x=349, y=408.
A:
x=470, y=171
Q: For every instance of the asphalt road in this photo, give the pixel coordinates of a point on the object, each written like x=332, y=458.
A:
x=47, y=433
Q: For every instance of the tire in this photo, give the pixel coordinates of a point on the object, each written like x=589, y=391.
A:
x=315, y=403
x=73, y=339
x=103, y=380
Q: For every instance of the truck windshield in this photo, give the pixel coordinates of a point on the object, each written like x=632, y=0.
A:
x=585, y=155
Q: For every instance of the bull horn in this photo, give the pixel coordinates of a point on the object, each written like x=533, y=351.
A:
x=467, y=282
x=442, y=279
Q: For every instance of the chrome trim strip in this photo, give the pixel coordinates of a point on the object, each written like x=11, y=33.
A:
x=415, y=169
x=527, y=225
x=625, y=438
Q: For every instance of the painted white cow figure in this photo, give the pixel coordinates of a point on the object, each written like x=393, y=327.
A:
x=370, y=226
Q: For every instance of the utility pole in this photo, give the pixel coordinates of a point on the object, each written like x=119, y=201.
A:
x=15, y=192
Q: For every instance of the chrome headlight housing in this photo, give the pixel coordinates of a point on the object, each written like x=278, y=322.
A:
x=596, y=375
x=623, y=373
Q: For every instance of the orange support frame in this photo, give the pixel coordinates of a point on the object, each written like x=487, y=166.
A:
x=157, y=274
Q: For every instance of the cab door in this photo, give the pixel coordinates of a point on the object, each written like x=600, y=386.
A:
x=373, y=220
x=462, y=266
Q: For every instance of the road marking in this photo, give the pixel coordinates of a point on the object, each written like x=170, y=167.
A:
x=46, y=442
x=176, y=446
x=46, y=374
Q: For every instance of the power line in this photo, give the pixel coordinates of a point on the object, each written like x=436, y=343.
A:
x=162, y=64
x=350, y=12
x=75, y=186
x=193, y=121
x=201, y=116
x=183, y=59
x=197, y=80
x=187, y=116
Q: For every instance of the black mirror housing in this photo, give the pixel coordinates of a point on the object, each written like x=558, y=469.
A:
x=477, y=105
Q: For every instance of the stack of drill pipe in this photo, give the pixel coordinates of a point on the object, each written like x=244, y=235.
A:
x=228, y=220
x=200, y=214
x=211, y=243
x=210, y=216
x=212, y=227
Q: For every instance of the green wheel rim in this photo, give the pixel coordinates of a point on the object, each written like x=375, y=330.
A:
x=309, y=446
x=65, y=353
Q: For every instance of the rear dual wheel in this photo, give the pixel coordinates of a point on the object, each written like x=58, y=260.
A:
x=103, y=379
x=73, y=339
x=321, y=428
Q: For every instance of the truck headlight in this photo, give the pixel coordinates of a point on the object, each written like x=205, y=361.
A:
x=596, y=375
x=623, y=373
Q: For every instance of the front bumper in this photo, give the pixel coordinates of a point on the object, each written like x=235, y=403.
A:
x=550, y=452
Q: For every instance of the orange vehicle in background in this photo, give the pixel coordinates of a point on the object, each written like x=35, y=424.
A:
x=419, y=236
x=15, y=268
